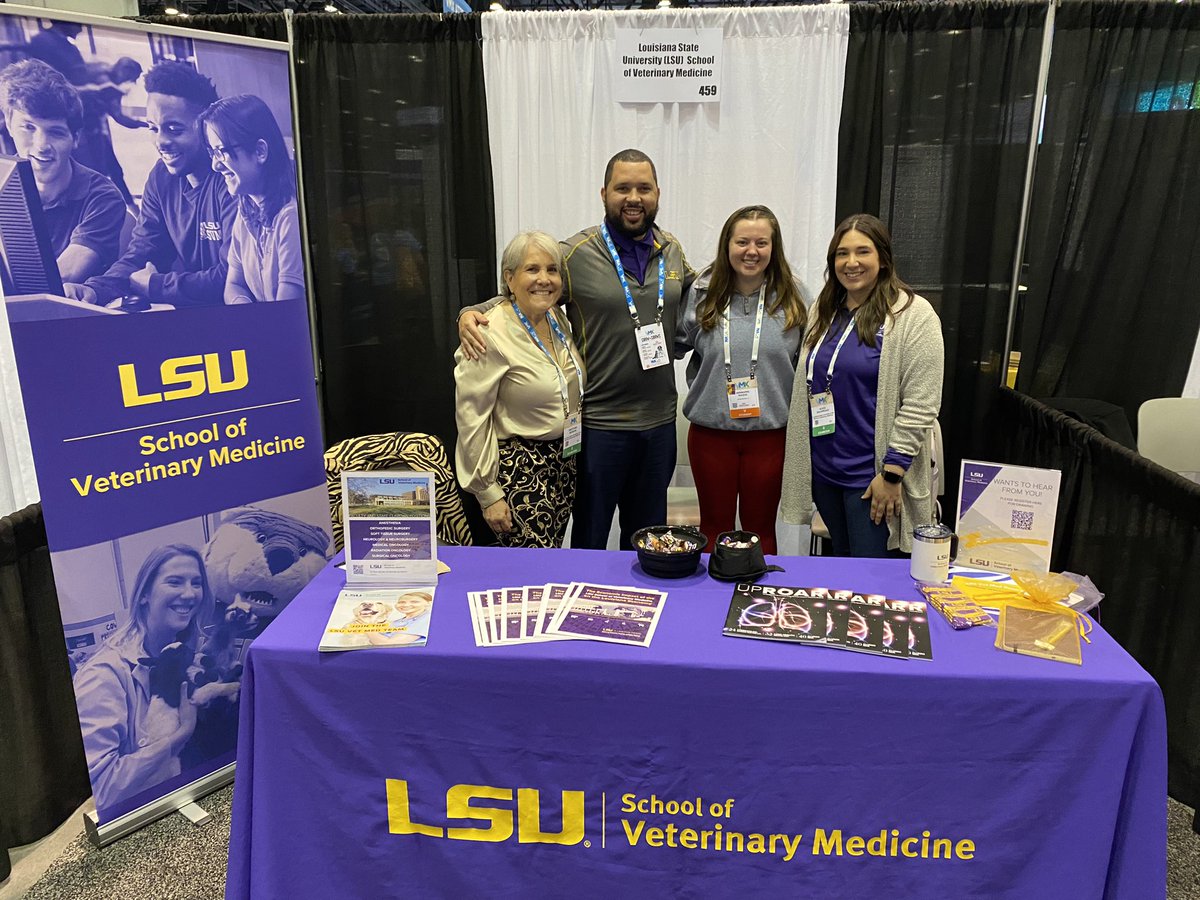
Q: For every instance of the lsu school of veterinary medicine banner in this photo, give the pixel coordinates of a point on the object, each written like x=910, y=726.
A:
x=154, y=283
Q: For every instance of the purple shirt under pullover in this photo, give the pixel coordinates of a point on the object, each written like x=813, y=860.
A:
x=634, y=252
x=846, y=458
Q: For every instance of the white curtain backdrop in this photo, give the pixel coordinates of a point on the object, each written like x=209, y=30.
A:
x=772, y=138
x=18, y=484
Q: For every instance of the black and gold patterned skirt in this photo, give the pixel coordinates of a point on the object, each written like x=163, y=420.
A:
x=539, y=485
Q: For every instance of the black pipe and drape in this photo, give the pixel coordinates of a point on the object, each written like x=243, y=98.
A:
x=398, y=181
x=1134, y=529
x=1113, y=255
x=936, y=119
x=43, y=774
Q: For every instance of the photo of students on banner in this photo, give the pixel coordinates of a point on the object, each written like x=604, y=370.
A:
x=191, y=203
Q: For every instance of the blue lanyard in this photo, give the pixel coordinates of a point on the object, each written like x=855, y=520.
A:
x=558, y=333
x=662, y=279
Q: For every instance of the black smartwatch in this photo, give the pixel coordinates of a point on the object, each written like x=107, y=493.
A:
x=891, y=477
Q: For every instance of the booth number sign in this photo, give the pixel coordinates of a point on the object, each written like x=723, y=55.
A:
x=668, y=65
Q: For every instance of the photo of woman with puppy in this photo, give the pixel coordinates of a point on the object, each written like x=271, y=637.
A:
x=172, y=611
x=135, y=724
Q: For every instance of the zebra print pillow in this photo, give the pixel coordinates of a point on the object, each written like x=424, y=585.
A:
x=399, y=450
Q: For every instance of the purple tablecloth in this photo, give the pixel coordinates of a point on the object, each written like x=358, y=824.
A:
x=1041, y=779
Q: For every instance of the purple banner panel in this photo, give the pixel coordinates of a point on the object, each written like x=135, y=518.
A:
x=154, y=282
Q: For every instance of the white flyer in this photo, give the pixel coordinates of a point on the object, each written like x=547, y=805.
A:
x=1006, y=516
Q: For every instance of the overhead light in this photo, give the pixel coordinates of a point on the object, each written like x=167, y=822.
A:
x=330, y=8
x=664, y=4
x=496, y=6
x=171, y=11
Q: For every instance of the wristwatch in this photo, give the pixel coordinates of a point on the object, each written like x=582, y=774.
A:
x=891, y=477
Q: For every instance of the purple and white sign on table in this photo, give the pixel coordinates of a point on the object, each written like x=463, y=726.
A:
x=154, y=286
x=391, y=527
x=602, y=612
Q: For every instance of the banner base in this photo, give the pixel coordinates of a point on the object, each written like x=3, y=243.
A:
x=103, y=835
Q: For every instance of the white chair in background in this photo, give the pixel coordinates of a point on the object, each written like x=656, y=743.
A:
x=1169, y=433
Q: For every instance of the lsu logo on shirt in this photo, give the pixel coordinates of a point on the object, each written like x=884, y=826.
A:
x=210, y=231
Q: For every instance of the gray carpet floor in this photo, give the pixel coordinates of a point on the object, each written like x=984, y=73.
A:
x=175, y=860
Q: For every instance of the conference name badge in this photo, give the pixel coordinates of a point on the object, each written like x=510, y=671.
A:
x=652, y=346
x=572, y=436
x=821, y=407
x=742, y=394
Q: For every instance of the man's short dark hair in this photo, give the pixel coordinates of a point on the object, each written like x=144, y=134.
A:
x=630, y=156
x=37, y=89
x=179, y=79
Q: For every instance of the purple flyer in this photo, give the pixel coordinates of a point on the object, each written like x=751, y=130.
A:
x=600, y=612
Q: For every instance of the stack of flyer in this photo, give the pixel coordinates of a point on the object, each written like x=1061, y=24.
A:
x=390, y=522
x=847, y=620
x=558, y=612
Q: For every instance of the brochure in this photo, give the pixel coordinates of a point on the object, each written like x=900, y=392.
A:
x=1006, y=516
x=865, y=623
x=391, y=561
x=552, y=598
x=513, y=615
x=564, y=612
x=379, y=617
x=603, y=612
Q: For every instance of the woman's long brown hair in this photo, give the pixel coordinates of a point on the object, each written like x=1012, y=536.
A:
x=779, y=280
x=887, y=290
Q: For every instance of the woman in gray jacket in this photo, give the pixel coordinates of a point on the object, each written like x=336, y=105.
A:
x=743, y=317
x=859, y=429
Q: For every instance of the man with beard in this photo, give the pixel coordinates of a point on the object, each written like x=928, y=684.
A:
x=623, y=282
x=178, y=251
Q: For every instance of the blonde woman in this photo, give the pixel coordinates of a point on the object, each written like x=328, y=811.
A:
x=518, y=405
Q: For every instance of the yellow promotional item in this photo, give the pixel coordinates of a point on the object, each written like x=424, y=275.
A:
x=1040, y=625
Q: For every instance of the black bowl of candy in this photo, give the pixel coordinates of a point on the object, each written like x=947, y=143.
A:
x=669, y=551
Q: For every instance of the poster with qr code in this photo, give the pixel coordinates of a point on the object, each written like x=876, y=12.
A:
x=1006, y=516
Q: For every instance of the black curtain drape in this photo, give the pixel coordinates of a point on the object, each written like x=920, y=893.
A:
x=268, y=26
x=399, y=189
x=934, y=137
x=1134, y=528
x=1113, y=255
x=43, y=775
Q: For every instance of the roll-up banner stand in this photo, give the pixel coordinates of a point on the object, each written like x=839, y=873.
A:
x=154, y=280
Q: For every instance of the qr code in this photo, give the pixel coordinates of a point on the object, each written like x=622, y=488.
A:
x=1022, y=521
x=356, y=569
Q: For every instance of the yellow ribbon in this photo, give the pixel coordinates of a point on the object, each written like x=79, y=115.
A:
x=995, y=594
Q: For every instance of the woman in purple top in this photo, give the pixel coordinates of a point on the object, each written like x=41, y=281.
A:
x=861, y=419
x=247, y=149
